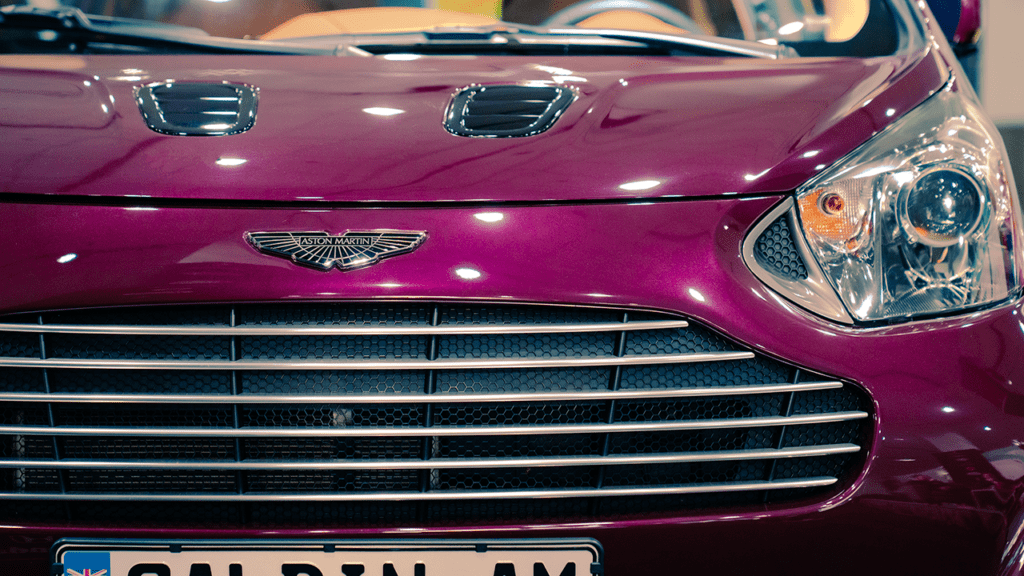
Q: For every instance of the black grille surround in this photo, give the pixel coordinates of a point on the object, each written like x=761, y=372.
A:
x=505, y=111
x=407, y=413
x=198, y=108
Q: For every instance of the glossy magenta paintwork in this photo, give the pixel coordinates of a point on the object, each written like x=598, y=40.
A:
x=941, y=492
x=72, y=127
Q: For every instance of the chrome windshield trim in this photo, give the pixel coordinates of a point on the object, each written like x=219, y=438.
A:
x=117, y=330
x=812, y=482
x=423, y=432
x=458, y=364
x=414, y=398
x=476, y=463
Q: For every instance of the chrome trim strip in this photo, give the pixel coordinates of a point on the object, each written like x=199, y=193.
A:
x=813, y=482
x=474, y=463
x=415, y=398
x=457, y=364
x=341, y=330
x=421, y=432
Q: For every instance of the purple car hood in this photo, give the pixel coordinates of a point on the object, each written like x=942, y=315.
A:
x=640, y=128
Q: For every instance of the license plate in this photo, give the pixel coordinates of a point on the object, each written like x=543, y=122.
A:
x=559, y=557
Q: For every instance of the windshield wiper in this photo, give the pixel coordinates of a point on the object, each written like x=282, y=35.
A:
x=27, y=29
x=534, y=40
x=706, y=45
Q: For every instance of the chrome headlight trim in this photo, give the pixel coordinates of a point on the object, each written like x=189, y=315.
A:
x=813, y=293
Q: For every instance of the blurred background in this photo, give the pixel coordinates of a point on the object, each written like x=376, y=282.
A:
x=1001, y=75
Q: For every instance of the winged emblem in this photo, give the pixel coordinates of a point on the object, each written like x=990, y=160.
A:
x=349, y=251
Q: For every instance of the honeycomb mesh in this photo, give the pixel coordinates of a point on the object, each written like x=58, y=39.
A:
x=527, y=446
x=281, y=423
x=139, y=381
x=20, y=446
x=22, y=380
x=150, y=481
x=696, y=473
x=695, y=441
x=320, y=347
x=693, y=339
x=142, y=415
x=516, y=414
x=822, y=434
x=513, y=479
x=706, y=374
x=332, y=482
x=523, y=380
x=335, y=382
x=101, y=448
x=331, y=416
x=137, y=347
x=489, y=315
x=527, y=345
x=776, y=251
x=17, y=414
x=728, y=407
x=19, y=345
x=335, y=315
x=332, y=448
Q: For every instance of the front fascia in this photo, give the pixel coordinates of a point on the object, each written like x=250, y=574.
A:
x=942, y=466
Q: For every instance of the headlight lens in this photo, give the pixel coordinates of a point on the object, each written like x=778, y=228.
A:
x=921, y=220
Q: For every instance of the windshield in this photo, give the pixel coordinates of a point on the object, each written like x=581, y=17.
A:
x=810, y=27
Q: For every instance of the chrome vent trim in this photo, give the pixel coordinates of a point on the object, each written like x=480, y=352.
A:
x=506, y=111
x=431, y=403
x=197, y=108
x=805, y=284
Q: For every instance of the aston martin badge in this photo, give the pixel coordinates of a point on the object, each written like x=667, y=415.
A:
x=348, y=251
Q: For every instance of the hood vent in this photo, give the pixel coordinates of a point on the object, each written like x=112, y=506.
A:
x=198, y=108
x=506, y=111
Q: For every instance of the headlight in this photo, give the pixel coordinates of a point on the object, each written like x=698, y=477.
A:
x=920, y=220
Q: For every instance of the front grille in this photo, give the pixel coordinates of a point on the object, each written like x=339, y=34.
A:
x=397, y=413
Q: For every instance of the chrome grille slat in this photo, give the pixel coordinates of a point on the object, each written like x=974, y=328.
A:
x=128, y=330
x=438, y=431
x=436, y=496
x=461, y=364
x=249, y=465
x=416, y=398
x=237, y=407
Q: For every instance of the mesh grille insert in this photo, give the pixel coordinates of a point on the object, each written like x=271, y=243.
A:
x=776, y=251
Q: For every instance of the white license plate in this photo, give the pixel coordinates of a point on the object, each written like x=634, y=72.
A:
x=560, y=557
